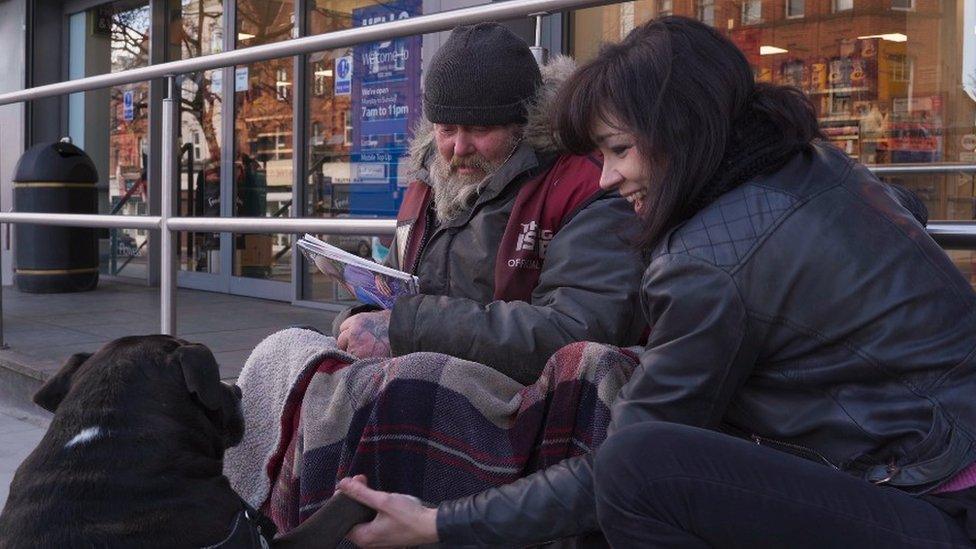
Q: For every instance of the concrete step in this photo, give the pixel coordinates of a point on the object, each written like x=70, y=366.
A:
x=19, y=380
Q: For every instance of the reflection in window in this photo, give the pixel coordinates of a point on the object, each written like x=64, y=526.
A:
x=198, y=30
x=751, y=12
x=901, y=68
x=112, y=125
x=795, y=8
x=793, y=74
x=885, y=82
x=706, y=12
x=263, y=134
x=665, y=7
x=320, y=78
x=129, y=127
x=362, y=101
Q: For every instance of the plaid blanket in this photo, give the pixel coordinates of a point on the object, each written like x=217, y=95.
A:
x=430, y=425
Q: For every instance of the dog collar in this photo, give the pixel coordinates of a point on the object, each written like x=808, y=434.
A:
x=249, y=530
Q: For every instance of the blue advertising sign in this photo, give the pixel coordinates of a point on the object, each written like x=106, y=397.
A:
x=385, y=105
x=343, y=75
x=128, y=111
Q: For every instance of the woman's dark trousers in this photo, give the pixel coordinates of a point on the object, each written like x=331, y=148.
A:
x=667, y=485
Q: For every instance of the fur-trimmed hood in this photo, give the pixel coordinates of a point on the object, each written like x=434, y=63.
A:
x=537, y=132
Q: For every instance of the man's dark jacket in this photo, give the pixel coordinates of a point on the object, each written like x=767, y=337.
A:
x=588, y=283
x=807, y=310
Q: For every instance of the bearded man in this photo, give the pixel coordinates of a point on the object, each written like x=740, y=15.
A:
x=517, y=249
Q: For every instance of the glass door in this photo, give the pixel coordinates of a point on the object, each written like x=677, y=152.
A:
x=197, y=28
x=112, y=125
x=263, y=137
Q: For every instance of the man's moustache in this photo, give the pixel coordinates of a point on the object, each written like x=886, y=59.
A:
x=478, y=163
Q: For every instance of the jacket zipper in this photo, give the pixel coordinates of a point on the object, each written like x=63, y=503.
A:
x=795, y=447
x=428, y=229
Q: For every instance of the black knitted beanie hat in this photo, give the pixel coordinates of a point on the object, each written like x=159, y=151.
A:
x=483, y=75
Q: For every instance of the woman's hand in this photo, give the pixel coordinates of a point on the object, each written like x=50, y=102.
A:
x=400, y=520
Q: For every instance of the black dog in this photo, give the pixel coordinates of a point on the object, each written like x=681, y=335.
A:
x=134, y=458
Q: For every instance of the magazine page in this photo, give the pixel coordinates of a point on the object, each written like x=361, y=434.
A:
x=370, y=282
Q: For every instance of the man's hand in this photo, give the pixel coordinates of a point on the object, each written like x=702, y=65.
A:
x=400, y=520
x=366, y=335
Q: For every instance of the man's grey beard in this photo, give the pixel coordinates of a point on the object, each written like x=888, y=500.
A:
x=455, y=192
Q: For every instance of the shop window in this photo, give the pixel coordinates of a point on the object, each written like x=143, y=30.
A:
x=263, y=136
x=665, y=7
x=889, y=87
x=201, y=25
x=112, y=124
x=363, y=102
x=751, y=12
x=706, y=12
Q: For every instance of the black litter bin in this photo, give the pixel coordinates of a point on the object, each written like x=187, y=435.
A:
x=55, y=178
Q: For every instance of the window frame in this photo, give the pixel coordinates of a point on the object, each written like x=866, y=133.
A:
x=802, y=13
x=911, y=7
x=745, y=8
x=835, y=9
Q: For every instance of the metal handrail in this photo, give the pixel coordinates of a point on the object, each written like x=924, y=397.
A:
x=146, y=222
x=921, y=169
x=281, y=225
x=378, y=227
x=411, y=26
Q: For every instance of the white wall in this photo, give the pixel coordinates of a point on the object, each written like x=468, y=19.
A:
x=12, y=69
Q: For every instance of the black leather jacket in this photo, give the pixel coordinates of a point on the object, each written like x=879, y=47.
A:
x=807, y=310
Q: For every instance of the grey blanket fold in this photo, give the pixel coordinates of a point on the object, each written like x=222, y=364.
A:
x=279, y=364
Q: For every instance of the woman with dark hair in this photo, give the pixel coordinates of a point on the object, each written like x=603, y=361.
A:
x=810, y=378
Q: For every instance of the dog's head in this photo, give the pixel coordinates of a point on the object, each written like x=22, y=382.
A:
x=156, y=368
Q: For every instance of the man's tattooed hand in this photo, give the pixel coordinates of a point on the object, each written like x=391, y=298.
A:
x=366, y=335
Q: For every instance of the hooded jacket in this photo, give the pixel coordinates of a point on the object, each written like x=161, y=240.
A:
x=807, y=310
x=588, y=275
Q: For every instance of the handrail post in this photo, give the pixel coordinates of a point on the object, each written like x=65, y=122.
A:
x=167, y=261
x=540, y=53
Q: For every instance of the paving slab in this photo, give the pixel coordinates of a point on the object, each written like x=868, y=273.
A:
x=42, y=330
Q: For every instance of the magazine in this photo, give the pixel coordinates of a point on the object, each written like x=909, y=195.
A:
x=370, y=282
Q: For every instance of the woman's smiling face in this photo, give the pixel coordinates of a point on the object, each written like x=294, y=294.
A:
x=624, y=167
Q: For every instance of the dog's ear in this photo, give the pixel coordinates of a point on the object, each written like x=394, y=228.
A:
x=50, y=395
x=201, y=374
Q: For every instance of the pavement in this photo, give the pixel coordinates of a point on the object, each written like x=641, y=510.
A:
x=20, y=432
x=42, y=330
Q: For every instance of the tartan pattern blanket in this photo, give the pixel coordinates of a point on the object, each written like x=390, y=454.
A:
x=429, y=425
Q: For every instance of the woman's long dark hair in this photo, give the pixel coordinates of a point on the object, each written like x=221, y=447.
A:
x=680, y=87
